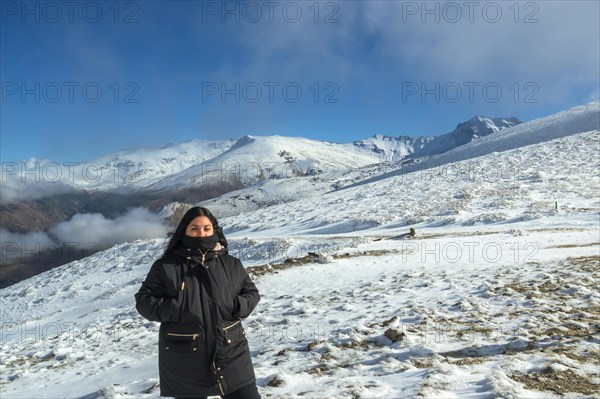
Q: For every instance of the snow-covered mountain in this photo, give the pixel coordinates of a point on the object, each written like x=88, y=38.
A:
x=256, y=158
x=121, y=171
x=464, y=133
x=140, y=167
x=391, y=148
x=247, y=160
x=583, y=118
x=397, y=148
x=496, y=295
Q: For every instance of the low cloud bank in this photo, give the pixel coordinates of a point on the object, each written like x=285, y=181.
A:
x=90, y=230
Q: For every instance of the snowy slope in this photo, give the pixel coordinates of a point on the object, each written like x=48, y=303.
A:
x=497, y=295
x=274, y=190
x=254, y=158
x=185, y=166
x=583, y=118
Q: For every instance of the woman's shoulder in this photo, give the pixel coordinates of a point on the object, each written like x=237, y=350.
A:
x=230, y=259
x=228, y=256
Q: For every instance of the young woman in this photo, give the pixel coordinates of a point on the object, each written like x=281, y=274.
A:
x=200, y=293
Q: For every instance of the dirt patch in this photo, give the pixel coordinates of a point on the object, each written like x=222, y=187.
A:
x=591, y=244
x=469, y=361
x=260, y=270
x=276, y=382
x=465, y=357
x=311, y=257
x=319, y=370
x=560, y=382
x=358, y=345
x=569, y=330
x=588, y=264
x=422, y=362
x=570, y=352
x=374, y=252
x=558, y=229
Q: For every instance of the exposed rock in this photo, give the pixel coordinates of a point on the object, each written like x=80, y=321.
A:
x=394, y=335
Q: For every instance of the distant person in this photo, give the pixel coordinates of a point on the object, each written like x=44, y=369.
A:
x=200, y=293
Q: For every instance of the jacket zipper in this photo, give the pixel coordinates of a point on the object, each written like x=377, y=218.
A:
x=218, y=378
x=194, y=336
x=204, y=256
x=231, y=325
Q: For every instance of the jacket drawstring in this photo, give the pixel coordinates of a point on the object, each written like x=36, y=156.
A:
x=184, y=272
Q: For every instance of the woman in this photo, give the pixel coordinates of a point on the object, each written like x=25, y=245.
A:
x=200, y=293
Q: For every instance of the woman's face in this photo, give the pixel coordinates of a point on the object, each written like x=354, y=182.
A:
x=200, y=226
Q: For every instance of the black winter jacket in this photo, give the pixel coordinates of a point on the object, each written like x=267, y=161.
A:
x=200, y=301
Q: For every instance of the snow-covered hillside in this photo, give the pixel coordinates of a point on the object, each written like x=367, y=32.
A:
x=140, y=167
x=255, y=158
x=496, y=296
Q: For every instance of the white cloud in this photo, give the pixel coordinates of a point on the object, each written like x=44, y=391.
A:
x=380, y=41
x=90, y=232
x=563, y=40
x=94, y=228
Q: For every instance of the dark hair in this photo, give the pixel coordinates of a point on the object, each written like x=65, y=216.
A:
x=190, y=215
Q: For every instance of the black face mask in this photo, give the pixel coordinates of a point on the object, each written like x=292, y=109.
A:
x=202, y=243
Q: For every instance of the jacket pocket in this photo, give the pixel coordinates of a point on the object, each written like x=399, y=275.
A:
x=182, y=342
x=233, y=331
x=232, y=342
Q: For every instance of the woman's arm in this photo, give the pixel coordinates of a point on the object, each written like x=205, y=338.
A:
x=152, y=300
x=248, y=296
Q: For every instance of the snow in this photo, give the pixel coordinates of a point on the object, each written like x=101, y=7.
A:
x=497, y=294
x=254, y=158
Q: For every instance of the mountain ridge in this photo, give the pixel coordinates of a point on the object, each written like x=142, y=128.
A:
x=396, y=148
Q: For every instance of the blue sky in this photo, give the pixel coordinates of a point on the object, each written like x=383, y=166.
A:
x=83, y=80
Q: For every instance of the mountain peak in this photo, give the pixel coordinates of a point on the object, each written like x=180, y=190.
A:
x=479, y=126
x=245, y=140
x=479, y=120
x=476, y=118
